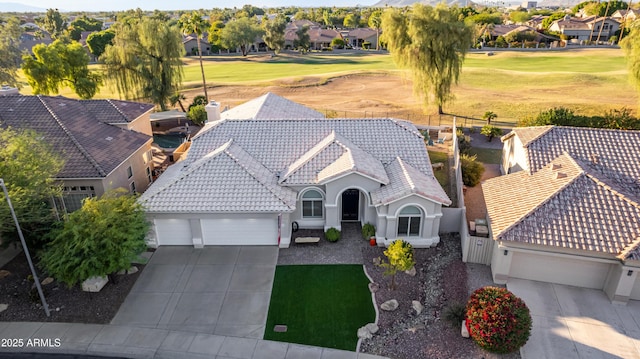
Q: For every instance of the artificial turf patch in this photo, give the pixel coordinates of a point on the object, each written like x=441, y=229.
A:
x=321, y=305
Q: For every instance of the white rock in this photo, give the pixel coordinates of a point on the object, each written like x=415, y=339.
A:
x=3, y=307
x=132, y=270
x=4, y=273
x=411, y=272
x=377, y=261
x=374, y=287
x=372, y=328
x=464, y=331
x=122, y=272
x=389, y=305
x=94, y=284
x=46, y=281
x=364, y=333
x=417, y=306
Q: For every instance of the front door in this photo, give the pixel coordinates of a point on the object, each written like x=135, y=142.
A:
x=350, y=204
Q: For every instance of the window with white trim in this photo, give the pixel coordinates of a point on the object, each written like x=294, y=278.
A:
x=312, y=204
x=409, y=221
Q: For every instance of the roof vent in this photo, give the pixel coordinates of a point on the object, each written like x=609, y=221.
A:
x=556, y=166
x=10, y=110
x=109, y=138
x=560, y=175
x=595, y=158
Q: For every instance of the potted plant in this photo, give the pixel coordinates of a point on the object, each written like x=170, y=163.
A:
x=332, y=234
x=369, y=233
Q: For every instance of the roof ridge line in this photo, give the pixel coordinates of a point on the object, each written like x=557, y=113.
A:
x=329, y=139
x=76, y=143
x=117, y=109
x=405, y=173
x=544, y=201
x=234, y=158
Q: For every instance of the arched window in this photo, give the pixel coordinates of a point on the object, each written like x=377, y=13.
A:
x=409, y=221
x=312, y=204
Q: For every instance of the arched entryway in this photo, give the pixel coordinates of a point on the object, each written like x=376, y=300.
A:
x=350, y=199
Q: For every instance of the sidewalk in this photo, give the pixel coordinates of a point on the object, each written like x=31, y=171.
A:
x=133, y=342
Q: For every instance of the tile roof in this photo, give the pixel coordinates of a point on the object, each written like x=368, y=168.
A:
x=406, y=180
x=252, y=188
x=333, y=157
x=269, y=106
x=612, y=153
x=301, y=152
x=116, y=111
x=91, y=148
x=565, y=205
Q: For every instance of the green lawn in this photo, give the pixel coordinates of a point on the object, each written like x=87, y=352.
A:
x=441, y=175
x=322, y=305
x=545, y=61
x=487, y=155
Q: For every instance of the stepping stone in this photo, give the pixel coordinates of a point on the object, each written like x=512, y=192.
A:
x=280, y=328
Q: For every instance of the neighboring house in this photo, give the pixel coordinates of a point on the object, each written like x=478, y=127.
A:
x=356, y=37
x=509, y=30
x=626, y=15
x=253, y=175
x=30, y=39
x=536, y=21
x=529, y=5
x=191, y=46
x=94, y=137
x=588, y=28
x=318, y=38
x=568, y=212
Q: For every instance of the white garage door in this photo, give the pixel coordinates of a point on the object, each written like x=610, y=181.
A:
x=247, y=231
x=560, y=270
x=173, y=232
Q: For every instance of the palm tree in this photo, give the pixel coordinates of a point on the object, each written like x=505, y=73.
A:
x=177, y=99
x=488, y=116
x=193, y=24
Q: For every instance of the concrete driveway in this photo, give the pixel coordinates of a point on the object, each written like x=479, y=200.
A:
x=222, y=290
x=571, y=322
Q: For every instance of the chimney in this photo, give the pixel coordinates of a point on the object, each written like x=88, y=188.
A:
x=213, y=111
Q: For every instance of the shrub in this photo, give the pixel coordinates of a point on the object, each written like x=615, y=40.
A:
x=197, y=114
x=464, y=144
x=400, y=258
x=337, y=43
x=366, y=45
x=455, y=313
x=498, y=321
x=368, y=231
x=472, y=170
x=332, y=234
x=490, y=131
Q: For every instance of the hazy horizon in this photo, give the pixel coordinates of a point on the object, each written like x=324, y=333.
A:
x=118, y=5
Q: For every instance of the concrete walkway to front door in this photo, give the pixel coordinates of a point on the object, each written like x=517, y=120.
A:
x=221, y=290
x=347, y=250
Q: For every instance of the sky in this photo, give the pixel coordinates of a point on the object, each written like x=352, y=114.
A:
x=113, y=5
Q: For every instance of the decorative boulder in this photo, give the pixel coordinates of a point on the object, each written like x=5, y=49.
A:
x=389, y=305
x=411, y=272
x=94, y=284
x=464, y=331
x=417, y=306
x=373, y=287
x=46, y=281
x=4, y=273
x=372, y=328
x=364, y=333
x=377, y=261
x=3, y=307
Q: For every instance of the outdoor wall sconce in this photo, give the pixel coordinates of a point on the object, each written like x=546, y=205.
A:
x=506, y=252
x=629, y=273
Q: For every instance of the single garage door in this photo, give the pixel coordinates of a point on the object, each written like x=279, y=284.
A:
x=240, y=231
x=173, y=232
x=561, y=270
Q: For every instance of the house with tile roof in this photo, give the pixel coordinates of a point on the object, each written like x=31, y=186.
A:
x=98, y=139
x=568, y=209
x=586, y=28
x=257, y=171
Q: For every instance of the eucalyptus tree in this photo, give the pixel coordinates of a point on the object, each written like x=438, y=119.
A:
x=631, y=46
x=145, y=60
x=432, y=44
x=9, y=51
x=193, y=24
x=274, y=32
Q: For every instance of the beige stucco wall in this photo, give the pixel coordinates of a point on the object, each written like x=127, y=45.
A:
x=118, y=178
x=430, y=224
x=142, y=124
x=514, y=157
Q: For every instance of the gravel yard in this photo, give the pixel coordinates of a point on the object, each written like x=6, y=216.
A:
x=441, y=279
x=70, y=305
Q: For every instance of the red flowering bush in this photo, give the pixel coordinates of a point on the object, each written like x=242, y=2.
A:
x=498, y=321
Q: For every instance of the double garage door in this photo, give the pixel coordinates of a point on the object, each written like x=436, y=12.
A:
x=561, y=270
x=218, y=231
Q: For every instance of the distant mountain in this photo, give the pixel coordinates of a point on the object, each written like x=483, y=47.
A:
x=402, y=3
x=17, y=7
x=559, y=3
